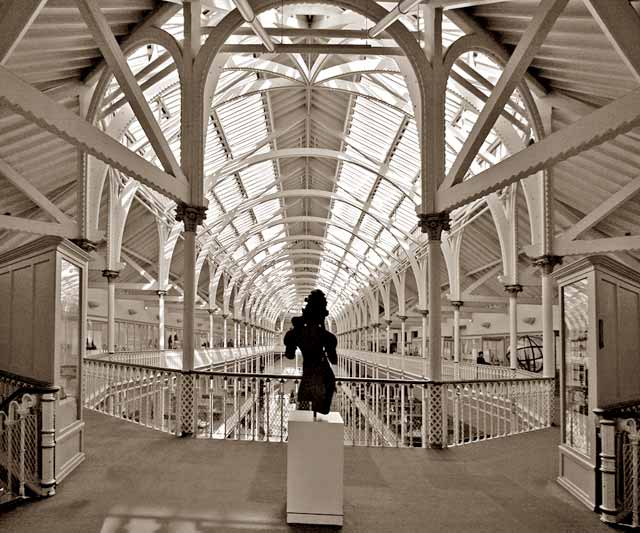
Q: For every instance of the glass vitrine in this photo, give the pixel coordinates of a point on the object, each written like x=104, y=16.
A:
x=600, y=317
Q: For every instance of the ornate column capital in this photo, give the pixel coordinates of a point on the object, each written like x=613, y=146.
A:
x=513, y=289
x=402, y=318
x=110, y=274
x=433, y=224
x=161, y=292
x=211, y=311
x=547, y=263
x=192, y=215
x=388, y=321
x=87, y=245
x=457, y=304
x=424, y=312
x=225, y=316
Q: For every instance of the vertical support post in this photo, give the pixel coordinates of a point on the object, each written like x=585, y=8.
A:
x=161, y=294
x=403, y=320
x=192, y=217
x=423, y=347
x=210, y=328
x=224, y=330
x=48, y=442
x=111, y=276
x=388, y=331
x=547, y=263
x=456, y=330
x=513, y=291
x=434, y=224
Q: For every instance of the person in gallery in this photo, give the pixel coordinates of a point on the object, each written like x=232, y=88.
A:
x=318, y=347
x=481, y=360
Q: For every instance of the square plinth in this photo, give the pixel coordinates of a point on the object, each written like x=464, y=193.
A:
x=315, y=466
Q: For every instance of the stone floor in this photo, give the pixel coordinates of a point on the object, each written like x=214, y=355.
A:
x=137, y=480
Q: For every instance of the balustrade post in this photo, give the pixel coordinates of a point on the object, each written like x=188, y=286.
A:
x=211, y=311
x=403, y=320
x=224, y=330
x=388, y=336
x=161, y=295
x=513, y=291
x=436, y=411
x=423, y=347
x=111, y=276
x=48, y=442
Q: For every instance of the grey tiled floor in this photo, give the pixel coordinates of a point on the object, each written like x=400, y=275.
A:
x=139, y=480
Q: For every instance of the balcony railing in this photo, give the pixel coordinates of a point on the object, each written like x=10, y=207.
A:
x=377, y=411
x=203, y=358
x=27, y=436
x=419, y=367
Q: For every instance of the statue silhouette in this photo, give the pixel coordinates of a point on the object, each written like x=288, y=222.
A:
x=318, y=347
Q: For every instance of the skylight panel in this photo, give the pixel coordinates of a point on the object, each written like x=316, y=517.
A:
x=257, y=177
x=355, y=180
x=228, y=192
x=266, y=210
x=405, y=217
x=374, y=257
x=252, y=242
x=345, y=212
x=227, y=236
x=370, y=226
x=385, y=199
x=239, y=254
x=274, y=231
x=274, y=249
x=359, y=247
x=338, y=234
x=243, y=222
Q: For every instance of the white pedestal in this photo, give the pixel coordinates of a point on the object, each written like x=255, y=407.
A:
x=315, y=464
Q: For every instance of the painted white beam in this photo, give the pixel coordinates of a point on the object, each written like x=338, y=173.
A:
x=247, y=13
x=597, y=246
x=458, y=4
x=315, y=48
x=106, y=41
x=492, y=273
x=57, y=119
x=602, y=211
x=15, y=18
x=511, y=76
x=621, y=24
x=21, y=183
x=470, y=25
x=157, y=18
x=27, y=225
x=609, y=121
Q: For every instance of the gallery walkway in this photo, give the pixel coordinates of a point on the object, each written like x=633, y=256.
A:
x=140, y=480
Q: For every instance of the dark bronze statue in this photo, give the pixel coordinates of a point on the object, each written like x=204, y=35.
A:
x=318, y=347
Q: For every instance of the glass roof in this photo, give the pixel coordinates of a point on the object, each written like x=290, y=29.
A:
x=369, y=212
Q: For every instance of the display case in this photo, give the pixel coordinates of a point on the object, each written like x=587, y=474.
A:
x=43, y=330
x=600, y=361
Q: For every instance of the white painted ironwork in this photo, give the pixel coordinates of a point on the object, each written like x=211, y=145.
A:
x=244, y=404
